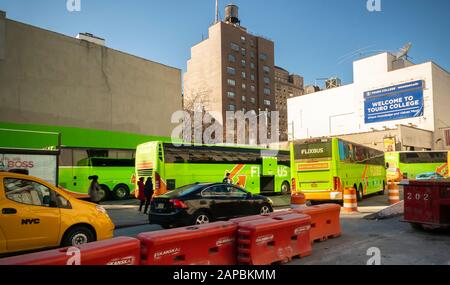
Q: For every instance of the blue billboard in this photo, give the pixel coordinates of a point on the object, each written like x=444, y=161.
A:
x=394, y=103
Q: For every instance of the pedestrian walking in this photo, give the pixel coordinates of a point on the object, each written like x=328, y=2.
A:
x=227, y=179
x=141, y=194
x=94, y=189
x=148, y=192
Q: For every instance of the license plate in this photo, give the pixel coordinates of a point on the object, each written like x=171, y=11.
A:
x=160, y=206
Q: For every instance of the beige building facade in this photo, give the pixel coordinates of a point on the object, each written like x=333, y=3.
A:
x=48, y=78
x=231, y=70
x=286, y=86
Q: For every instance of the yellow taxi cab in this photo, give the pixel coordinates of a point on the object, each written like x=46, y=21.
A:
x=36, y=215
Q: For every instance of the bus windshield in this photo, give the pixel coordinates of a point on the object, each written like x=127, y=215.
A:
x=308, y=150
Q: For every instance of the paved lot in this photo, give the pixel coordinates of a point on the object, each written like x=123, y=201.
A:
x=397, y=241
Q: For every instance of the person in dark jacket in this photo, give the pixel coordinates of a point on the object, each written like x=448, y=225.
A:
x=148, y=192
x=94, y=189
x=227, y=179
x=141, y=194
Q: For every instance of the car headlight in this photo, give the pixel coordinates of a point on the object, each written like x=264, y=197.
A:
x=101, y=209
x=270, y=201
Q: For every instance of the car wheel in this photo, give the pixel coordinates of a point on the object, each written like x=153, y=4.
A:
x=121, y=192
x=201, y=218
x=78, y=236
x=265, y=209
x=285, y=188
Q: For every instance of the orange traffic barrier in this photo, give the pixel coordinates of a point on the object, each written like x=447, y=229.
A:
x=298, y=200
x=394, y=193
x=208, y=244
x=238, y=221
x=350, y=200
x=117, y=251
x=325, y=221
x=270, y=240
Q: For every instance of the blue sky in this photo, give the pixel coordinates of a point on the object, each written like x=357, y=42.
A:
x=311, y=36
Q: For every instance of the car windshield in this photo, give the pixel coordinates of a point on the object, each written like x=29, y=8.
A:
x=184, y=190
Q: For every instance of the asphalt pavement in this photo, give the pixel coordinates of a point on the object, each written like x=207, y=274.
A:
x=361, y=240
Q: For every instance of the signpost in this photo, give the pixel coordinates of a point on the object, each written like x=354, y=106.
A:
x=394, y=103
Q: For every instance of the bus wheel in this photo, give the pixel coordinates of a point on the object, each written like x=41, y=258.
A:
x=103, y=193
x=285, y=188
x=381, y=193
x=121, y=192
x=359, y=193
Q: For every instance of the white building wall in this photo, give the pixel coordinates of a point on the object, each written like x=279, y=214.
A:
x=340, y=111
x=441, y=89
x=367, y=71
x=323, y=113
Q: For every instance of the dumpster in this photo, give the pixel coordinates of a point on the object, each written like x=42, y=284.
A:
x=427, y=203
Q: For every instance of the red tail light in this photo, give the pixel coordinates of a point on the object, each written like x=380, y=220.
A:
x=294, y=185
x=133, y=179
x=177, y=204
x=336, y=184
x=157, y=181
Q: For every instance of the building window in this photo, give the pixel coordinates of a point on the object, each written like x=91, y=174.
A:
x=244, y=86
x=231, y=70
x=231, y=58
x=253, y=100
x=263, y=56
x=252, y=88
x=243, y=52
x=266, y=80
x=243, y=39
x=243, y=63
x=235, y=47
x=252, y=77
x=232, y=107
x=244, y=75
x=252, y=65
x=267, y=103
x=231, y=82
x=266, y=68
x=231, y=95
x=267, y=91
x=244, y=99
x=252, y=54
x=252, y=42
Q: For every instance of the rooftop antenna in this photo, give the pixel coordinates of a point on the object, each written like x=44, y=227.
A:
x=216, y=19
x=403, y=52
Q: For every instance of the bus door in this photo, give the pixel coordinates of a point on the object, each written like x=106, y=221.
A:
x=80, y=173
x=269, y=171
x=146, y=163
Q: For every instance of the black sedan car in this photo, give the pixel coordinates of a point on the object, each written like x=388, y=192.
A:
x=205, y=202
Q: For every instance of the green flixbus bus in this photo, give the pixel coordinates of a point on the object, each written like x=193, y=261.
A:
x=114, y=167
x=83, y=153
x=412, y=164
x=172, y=167
x=322, y=168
